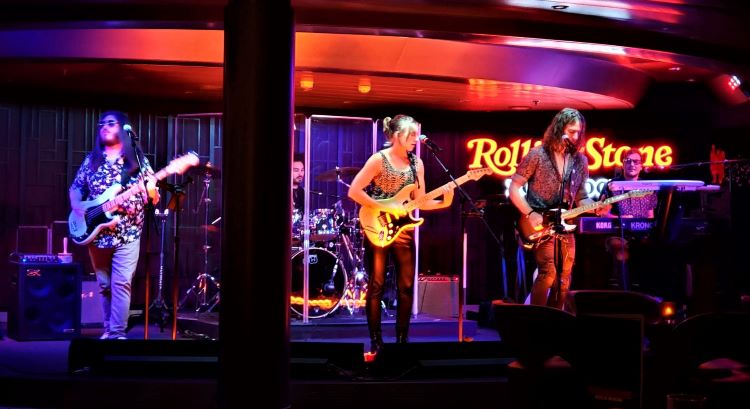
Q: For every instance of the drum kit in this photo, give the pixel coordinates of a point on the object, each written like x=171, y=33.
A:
x=337, y=278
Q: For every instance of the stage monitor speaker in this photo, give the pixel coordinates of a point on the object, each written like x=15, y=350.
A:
x=45, y=301
x=160, y=358
x=438, y=295
x=320, y=360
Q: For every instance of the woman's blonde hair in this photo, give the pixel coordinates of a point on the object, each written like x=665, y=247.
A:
x=392, y=126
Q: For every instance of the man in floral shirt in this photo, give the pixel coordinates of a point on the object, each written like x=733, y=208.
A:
x=114, y=251
x=547, y=168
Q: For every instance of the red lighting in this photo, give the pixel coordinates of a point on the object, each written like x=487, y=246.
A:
x=668, y=310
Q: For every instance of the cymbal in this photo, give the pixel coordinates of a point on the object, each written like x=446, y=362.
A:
x=332, y=175
x=210, y=227
x=206, y=170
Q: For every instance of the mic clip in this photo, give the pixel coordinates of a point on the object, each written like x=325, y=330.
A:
x=430, y=144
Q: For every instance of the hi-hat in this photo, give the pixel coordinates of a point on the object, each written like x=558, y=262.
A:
x=206, y=170
x=333, y=174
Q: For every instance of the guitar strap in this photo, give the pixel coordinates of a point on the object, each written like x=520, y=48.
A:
x=564, y=202
x=413, y=166
x=124, y=177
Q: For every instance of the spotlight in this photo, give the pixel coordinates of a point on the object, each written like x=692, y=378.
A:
x=307, y=82
x=364, y=86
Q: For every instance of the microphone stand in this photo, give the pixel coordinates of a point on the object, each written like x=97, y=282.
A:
x=148, y=214
x=174, y=206
x=474, y=211
x=624, y=280
x=558, y=229
x=719, y=162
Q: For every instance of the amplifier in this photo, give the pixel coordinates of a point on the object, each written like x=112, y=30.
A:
x=34, y=258
x=438, y=295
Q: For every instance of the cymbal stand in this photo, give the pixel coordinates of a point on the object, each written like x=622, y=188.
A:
x=202, y=284
x=159, y=306
x=356, y=288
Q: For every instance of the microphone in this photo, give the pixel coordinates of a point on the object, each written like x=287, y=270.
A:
x=129, y=129
x=429, y=143
x=571, y=146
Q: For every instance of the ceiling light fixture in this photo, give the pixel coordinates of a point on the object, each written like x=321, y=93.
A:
x=307, y=82
x=364, y=86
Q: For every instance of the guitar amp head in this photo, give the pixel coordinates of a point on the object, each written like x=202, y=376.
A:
x=32, y=258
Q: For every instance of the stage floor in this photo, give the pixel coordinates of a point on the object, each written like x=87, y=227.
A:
x=49, y=357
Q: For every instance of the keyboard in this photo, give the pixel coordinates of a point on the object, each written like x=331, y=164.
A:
x=610, y=225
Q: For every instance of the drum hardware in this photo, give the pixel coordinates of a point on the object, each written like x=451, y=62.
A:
x=356, y=288
x=175, y=207
x=205, y=281
x=334, y=174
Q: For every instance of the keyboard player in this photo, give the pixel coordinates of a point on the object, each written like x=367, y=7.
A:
x=641, y=207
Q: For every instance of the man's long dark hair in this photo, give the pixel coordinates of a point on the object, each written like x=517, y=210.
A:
x=552, y=140
x=97, y=153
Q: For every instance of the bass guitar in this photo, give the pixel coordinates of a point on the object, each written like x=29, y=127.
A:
x=383, y=227
x=100, y=213
x=532, y=236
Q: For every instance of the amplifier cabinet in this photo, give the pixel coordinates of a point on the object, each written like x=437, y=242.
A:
x=45, y=301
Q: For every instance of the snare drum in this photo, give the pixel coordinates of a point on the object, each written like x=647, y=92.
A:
x=327, y=282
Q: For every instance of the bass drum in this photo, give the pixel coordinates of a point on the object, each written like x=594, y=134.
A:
x=327, y=282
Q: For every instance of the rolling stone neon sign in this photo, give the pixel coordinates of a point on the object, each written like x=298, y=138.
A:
x=503, y=160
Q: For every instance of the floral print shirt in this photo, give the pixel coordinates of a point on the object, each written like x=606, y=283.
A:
x=91, y=184
x=539, y=171
x=633, y=206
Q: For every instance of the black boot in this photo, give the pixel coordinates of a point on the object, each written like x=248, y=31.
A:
x=402, y=335
x=376, y=342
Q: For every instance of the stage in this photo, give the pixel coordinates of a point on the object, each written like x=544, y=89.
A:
x=327, y=366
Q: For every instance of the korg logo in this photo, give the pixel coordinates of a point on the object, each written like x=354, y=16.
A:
x=33, y=272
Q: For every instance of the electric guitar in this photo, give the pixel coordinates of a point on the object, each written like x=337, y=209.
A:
x=99, y=213
x=531, y=236
x=383, y=227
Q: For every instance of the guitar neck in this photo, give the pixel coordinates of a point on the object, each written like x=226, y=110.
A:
x=416, y=204
x=134, y=189
x=589, y=207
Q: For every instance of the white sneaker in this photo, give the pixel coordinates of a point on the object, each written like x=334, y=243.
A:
x=120, y=337
x=104, y=336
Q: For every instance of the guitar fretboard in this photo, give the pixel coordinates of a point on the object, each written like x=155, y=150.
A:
x=589, y=207
x=138, y=187
x=416, y=204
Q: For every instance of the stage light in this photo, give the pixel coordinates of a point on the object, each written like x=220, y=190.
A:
x=307, y=82
x=668, y=311
x=364, y=86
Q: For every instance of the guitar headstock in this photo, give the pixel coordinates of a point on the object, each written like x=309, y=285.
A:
x=476, y=174
x=183, y=163
x=639, y=193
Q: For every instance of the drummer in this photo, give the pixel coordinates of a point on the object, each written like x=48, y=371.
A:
x=298, y=172
x=298, y=197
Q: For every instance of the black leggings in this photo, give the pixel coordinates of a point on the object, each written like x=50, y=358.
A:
x=403, y=251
